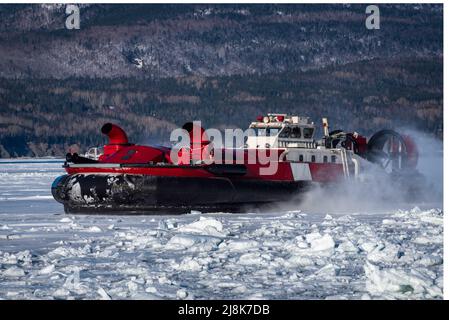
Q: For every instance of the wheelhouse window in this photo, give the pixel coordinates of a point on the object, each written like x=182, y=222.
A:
x=301, y=158
x=296, y=132
x=325, y=159
x=291, y=132
x=267, y=132
x=313, y=159
x=333, y=159
x=308, y=133
x=285, y=133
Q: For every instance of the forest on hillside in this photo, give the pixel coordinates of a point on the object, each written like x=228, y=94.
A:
x=40, y=117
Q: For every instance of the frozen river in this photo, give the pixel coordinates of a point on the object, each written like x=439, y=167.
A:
x=46, y=254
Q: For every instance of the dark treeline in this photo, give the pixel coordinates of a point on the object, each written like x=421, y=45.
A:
x=44, y=116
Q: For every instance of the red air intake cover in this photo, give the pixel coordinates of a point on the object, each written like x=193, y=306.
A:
x=115, y=134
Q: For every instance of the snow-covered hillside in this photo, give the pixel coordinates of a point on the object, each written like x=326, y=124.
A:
x=45, y=254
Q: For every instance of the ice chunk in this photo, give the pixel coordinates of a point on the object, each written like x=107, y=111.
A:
x=192, y=242
x=384, y=252
x=240, y=245
x=206, y=226
x=368, y=246
x=430, y=260
x=24, y=256
x=347, y=246
x=312, y=236
x=328, y=271
x=322, y=243
x=398, y=282
x=132, y=286
x=189, y=264
x=103, y=294
x=181, y=294
x=68, y=251
x=150, y=289
x=47, y=270
x=74, y=284
x=300, y=261
x=14, y=271
x=61, y=292
x=94, y=229
x=253, y=258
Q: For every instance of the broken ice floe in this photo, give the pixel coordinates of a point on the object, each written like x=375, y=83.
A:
x=291, y=255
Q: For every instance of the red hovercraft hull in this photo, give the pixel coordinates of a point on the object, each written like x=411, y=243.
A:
x=146, y=193
x=135, y=179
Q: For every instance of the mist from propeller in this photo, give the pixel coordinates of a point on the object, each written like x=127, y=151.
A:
x=378, y=190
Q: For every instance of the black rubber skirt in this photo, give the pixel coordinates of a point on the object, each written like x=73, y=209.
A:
x=143, y=194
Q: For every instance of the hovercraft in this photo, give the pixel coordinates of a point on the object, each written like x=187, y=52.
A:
x=127, y=178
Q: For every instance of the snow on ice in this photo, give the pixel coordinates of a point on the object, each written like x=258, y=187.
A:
x=45, y=254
